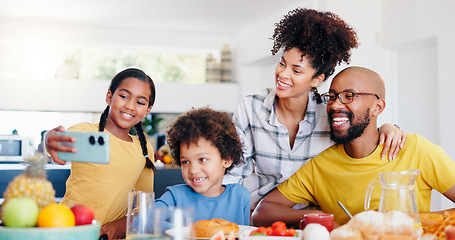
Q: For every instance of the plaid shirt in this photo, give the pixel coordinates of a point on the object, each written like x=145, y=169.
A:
x=267, y=152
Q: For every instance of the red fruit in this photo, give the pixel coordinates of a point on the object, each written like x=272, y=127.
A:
x=83, y=214
x=290, y=232
x=279, y=225
x=279, y=232
x=262, y=230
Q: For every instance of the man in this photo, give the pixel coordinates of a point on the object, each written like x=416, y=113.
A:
x=343, y=171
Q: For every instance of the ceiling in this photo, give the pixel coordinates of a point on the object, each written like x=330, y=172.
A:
x=197, y=16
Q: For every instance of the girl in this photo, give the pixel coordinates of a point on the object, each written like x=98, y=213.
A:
x=105, y=188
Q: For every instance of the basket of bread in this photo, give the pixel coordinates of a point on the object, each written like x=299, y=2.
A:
x=371, y=224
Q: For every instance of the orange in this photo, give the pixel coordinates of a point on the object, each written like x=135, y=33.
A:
x=167, y=159
x=56, y=215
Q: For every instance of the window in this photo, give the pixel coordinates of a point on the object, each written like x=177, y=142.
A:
x=32, y=62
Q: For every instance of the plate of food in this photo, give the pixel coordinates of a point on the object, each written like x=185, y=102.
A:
x=277, y=231
x=205, y=229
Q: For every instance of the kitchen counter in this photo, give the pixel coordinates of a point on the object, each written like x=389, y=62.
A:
x=19, y=166
x=57, y=174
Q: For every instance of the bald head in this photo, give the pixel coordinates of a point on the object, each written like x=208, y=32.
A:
x=366, y=79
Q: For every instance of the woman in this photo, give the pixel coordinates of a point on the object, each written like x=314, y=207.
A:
x=282, y=128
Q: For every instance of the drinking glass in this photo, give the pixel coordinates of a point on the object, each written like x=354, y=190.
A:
x=324, y=219
x=139, y=224
x=173, y=222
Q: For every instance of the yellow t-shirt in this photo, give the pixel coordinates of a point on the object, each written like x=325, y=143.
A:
x=333, y=175
x=105, y=187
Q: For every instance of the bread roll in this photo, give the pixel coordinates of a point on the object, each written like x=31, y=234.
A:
x=374, y=225
x=369, y=223
x=345, y=232
x=398, y=223
x=208, y=228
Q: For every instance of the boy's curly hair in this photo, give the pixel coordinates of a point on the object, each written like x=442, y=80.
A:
x=324, y=38
x=215, y=126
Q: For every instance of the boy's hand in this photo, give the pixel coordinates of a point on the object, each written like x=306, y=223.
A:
x=52, y=144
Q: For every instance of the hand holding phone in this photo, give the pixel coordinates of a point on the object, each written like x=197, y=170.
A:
x=91, y=147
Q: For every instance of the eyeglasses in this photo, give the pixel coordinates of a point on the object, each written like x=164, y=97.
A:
x=345, y=97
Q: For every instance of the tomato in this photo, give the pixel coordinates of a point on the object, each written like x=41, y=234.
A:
x=278, y=228
x=262, y=230
x=279, y=232
x=279, y=225
x=290, y=232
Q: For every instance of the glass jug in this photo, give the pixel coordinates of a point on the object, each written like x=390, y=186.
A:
x=397, y=192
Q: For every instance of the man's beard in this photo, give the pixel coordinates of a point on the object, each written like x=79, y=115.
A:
x=355, y=130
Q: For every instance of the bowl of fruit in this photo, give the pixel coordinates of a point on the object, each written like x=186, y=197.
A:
x=22, y=219
x=29, y=210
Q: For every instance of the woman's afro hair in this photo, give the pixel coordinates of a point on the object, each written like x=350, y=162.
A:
x=324, y=38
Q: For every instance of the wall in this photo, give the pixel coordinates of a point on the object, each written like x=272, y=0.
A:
x=56, y=34
x=412, y=22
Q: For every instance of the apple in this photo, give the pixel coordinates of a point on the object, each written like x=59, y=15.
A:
x=20, y=212
x=83, y=214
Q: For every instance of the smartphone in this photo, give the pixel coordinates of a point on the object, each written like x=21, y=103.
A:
x=92, y=147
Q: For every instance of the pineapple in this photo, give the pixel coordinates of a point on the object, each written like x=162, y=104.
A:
x=32, y=183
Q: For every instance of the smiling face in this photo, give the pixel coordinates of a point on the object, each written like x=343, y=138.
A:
x=129, y=104
x=203, y=168
x=294, y=75
x=349, y=121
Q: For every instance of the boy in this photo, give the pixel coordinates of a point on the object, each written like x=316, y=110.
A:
x=204, y=142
